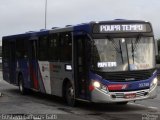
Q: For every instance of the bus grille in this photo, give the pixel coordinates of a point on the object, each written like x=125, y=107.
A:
x=138, y=94
x=126, y=76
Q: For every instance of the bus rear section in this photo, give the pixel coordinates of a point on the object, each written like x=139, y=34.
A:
x=123, y=62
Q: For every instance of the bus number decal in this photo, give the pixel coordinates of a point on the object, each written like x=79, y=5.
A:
x=143, y=85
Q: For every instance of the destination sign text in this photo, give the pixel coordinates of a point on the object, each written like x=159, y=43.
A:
x=122, y=28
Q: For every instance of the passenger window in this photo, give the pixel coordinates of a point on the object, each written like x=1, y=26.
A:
x=5, y=49
x=53, y=47
x=65, y=47
x=43, y=48
x=21, y=49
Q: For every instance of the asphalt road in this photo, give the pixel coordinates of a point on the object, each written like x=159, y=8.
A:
x=37, y=104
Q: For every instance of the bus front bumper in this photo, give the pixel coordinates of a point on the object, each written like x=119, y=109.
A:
x=99, y=96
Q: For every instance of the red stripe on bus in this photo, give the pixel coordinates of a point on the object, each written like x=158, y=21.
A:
x=117, y=86
x=33, y=77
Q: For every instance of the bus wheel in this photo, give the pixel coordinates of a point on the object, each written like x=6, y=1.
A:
x=22, y=89
x=122, y=103
x=69, y=94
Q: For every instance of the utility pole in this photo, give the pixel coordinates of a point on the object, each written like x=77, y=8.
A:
x=45, y=14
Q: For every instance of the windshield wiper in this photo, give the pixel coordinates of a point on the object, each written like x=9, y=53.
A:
x=136, y=42
x=118, y=49
x=121, y=51
x=132, y=51
x=135, y=45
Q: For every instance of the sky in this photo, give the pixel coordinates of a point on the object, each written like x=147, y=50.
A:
x=20, y=16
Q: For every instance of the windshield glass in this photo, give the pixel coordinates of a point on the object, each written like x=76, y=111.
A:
x=122, y=54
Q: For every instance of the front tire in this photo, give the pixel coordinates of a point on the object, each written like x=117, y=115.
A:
x=70, y=95
x=22, y=89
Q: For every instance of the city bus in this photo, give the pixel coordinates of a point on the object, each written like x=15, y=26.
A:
x=100, y=62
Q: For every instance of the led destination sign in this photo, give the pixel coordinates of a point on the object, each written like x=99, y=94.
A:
x=110, y=28
x=114, y=28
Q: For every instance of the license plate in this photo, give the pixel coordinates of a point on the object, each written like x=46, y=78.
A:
x=130, y=95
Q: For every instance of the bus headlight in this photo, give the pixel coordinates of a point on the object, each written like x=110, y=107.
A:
x=96, y=84
x=154, y=83
x=155, y=80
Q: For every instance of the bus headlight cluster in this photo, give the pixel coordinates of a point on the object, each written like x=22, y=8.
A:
x=154, y=83
x=96, y=84
x=100, y=86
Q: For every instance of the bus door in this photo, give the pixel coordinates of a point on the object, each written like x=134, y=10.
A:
x=12, y=62
x=33, y=64
x=22, y=59
x=80, y=66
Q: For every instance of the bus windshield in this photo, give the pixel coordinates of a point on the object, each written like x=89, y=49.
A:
x=123, y=54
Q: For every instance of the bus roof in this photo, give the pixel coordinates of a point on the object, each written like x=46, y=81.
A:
x=79, y=27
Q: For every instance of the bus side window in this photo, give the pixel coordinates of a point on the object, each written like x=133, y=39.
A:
x=53, y=47
x=80, y=51
x=5, y=49
x=66, y=47
x=21, y=49
x=43, y=48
